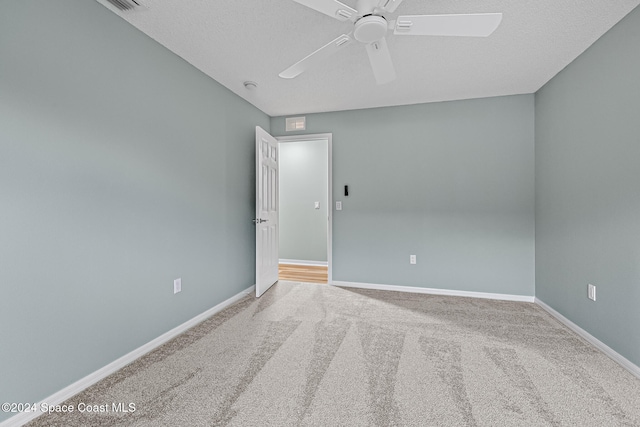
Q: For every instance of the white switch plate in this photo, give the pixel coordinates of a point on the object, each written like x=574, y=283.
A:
x=413, y=259
x=338, y=206
x=591, y=292
x=177, y=285
x=316, y=205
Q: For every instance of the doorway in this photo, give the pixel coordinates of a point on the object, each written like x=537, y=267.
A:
x=305, y=214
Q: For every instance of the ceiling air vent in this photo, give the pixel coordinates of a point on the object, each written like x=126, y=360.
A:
x=125, y=4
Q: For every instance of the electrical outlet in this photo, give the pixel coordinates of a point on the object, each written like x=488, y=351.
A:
x=412, y=259
x=177, y=285
x=591, y=292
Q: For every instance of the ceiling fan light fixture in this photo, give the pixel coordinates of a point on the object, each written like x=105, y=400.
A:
x=370, y=28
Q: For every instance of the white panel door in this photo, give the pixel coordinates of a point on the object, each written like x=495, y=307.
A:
x=267, y=253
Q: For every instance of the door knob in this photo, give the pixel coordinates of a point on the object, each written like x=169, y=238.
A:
x=259, y=221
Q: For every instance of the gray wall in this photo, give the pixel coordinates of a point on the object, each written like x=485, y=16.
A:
x=303, y=171
x=121, y=168
x=588, y=189
x=450, y=182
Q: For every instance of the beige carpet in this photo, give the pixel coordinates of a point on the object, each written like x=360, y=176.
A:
x=311, y=355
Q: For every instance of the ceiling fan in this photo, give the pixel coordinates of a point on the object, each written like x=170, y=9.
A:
x=370, y=28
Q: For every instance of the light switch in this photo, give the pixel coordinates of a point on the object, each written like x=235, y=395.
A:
x=338, y=206
x=317, y=205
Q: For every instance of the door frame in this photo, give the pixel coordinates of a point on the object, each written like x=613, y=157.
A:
x=315, y=137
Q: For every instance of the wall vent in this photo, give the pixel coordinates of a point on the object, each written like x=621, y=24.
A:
x=295, y=123
x=125, y=5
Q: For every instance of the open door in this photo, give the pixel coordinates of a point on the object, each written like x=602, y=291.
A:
x=266, y=221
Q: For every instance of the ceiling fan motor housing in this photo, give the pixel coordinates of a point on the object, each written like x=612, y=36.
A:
x=370, y=28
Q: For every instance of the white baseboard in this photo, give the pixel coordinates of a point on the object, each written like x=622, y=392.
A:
x=75, y=388
x=433, y=291
x=301, y=262
x=614, y=355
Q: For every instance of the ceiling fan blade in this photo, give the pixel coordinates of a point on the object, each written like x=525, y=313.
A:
x=389, y=5
x=332, y=8
x=467, y=25
x=381, y=61
x=317, y=57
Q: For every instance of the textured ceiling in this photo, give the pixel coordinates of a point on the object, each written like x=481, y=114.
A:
x=257, y=39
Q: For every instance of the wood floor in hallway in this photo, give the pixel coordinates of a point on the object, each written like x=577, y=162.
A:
x=303, y=273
